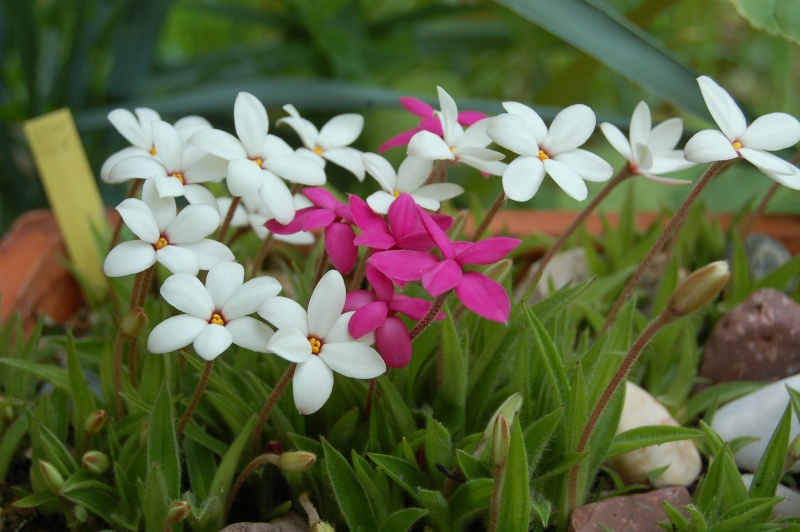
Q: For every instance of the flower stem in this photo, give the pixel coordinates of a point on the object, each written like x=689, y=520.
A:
x=358, y=276
x=198, y=392
x=309, y=509
x=118, y=225
x=323, y=262
x=623, y=174
x=223, y=229
x=144, y=287
x=262, y=254
x=257, y=462
x=271, y=400
x=489, y=216
x=438, y=172
x=426, y=320
x=119, y=344
x=133, y=359
x=713, y=170
x=620, y=375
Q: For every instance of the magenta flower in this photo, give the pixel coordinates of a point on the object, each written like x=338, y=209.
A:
x=484, y=296
x=376, y=311
x=402, y=228
x=335, y=217
x=430, y=122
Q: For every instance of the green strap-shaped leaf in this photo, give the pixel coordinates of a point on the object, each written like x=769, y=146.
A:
x=770, y=468
x=406, y=475
x=750, y=512
x=776, y=17
x=515, y=500
x=438, y=449
x=349, y=493
x=647, y=436
x=469, y=499
x=543, y=346
x=538, y=435
x=615, y=42
x=401, y=520
x=450, y=403
x=46, y=372
x=162, y=443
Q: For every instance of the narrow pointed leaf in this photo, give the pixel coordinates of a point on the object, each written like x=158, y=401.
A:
x=162, y=443
x=349, y=492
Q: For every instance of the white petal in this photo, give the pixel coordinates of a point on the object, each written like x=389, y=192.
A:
x=305, y=129
x=429, y=146
x=312, y=385
x=569, y=180
x=586, y=164
x=708, y=146
x=771, y=132
x=222, y=281
x=168, y=187
x=571, y=127
x=413, y=172
x=522, y=178
x=207, y=168
x=380, y=201
x=174, y=333
x=284, y=313
x=792, y=180
x=482, y=165
x=475, y=135
x=663, y=180
x=186, y=293
x=164, y=209
x=250, y=119
x=136, y=167
x=340, y=131
x=474, y=152
x=512, y=132
x=275, y=146
x=428, y=204
x=244, y=176
x=128, y=258
x=642, y=157
x=347, y=158
x=665, y=136
x=130, y=128
x=531, y=118
x=640, y=124
x=439, y=191
x=448, y=116
x=326, y=303
x=289, y=343
x=723, y=109
x=178, y=260
x=250, y=296
x=617, y=140
x=193, y=223
x=378, y=167
x=146, y=117
x=212, y=341
x=671, y=161
x=767, y=162
x=277, y=197
x=339, y=331
x=124, y=153
x=219, y=143
x=139, y=218
x=189, y=125
x=209, y=252
x=296, y=169
x=199, y=195
x=169, y=146
x=353, y=359
x=250, y=333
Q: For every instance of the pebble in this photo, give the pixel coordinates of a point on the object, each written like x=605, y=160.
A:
x=631, y=513
x=641, y=409
x=567, y=267
x=764, y=254
x=757, y=340
x=789, y=506
x=756, y=414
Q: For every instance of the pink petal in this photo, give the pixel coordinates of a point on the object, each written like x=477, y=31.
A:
x=488, y=250
x=357, y=299
x=413, y=307
x=365, y=218
x=467, y=118
x=436, y=233
x=393, y=343
x=321, y=198
x=484, y=297
x=432, y=124
x=442, y=277
x=398, y=140
x=367, y=319
x=402, y=266
x=402, y=216
x=382, y=285
x=417, y=107
x=295, y=226
x=380, y=241
x=317, y=218
x=339, y=245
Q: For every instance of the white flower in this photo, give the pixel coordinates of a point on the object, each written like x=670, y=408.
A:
x=319, y=343
x=468, y=147
x=770, y=132
x=410, y=178
x=332, y=142
x=257, y=160
x=253, y=212
x=176, y=169
x=216, y=314
x=650, y=150
x=554, y=152
x=174, y=239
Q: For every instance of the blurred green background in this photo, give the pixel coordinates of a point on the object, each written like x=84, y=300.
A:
x=330, y=56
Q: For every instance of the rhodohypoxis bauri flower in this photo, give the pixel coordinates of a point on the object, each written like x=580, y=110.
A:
x=409, y=178
x=175, y=239
x=216, y=314
x=253, y=212
x=319, y=343
x=541, y=151
x=773, y=131
x=650, y=151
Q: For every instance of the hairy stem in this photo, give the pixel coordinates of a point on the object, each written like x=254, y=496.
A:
x=257, y=462
x=426, y=320
x=198, y=392
x=119, y=344
x=271, y=400
x=489, y=216
x=223, y=229
x=262, y=254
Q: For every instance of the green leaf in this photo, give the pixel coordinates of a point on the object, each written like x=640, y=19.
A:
x=722, y=488
x=539, y=434
x=379, y=499
x=776, y=17
x=200, y=464
x=471, y=466
x=349, y=493
x=554, y=364
x=37, y=499
x=156, y=500
x=434, y=501
x=98, y=498
x=57, y=453
x=470, y=498
x=438, y=449
x=10, y=442
x=406, y=475
x=755, y=510
x=46, y=372
x=396, y=406
x=515, y=502
x=621, y=46
x=676, y=517
x=552, y=305
x=162, y=443
x=723, y=392
x=450, y=401
x=769, y=471
x=82, y=397
x=647, y=436
x=402, y=520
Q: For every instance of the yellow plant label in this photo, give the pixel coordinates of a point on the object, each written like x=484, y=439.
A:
x=71, y=189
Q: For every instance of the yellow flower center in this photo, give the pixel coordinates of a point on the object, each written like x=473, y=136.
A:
x=179, y=177
x=737, y=145
x=316, y=345
x=318, y=150
x=396, y=193
x=259, y=161
x=162, y=242
x=216, y=319
x=153, y=151
x=543, y=155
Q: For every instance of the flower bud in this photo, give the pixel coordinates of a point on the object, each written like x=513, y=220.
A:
x=499, y=271
x=697, y=290
x=510, y=408
x=792, y=453
x=134, y=323
x=321, y=526
x=52, y=477
x=501, y=441
x=95, y=422
x=296, y=461
x=456, y=231
x=178, y=511
x=96, y=462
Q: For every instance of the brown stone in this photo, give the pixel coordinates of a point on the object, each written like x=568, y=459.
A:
x=629, y=513
x=757, y=340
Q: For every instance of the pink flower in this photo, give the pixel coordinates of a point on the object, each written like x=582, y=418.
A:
x=430, y=122
x=482, y=295
x=335, y=217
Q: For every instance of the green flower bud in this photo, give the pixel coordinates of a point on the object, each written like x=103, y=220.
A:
x=510, y=408
x=96, y=462
x=697, y=290
x=95, y=422
x=321, y=526
x=178, y=511
x=501, y=441
x=52, y=477
x=499, y=271
x=134, y=323
x=456, y=231
x=296, y=461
